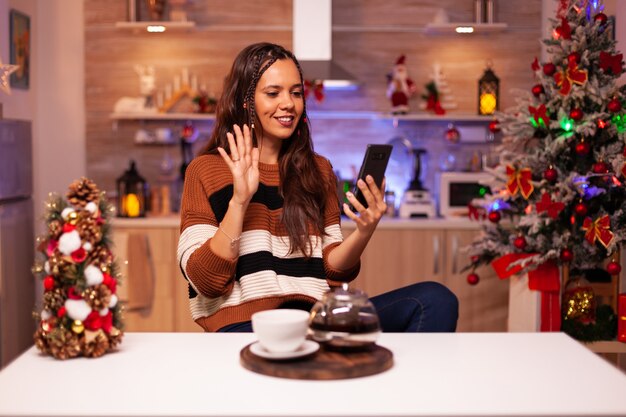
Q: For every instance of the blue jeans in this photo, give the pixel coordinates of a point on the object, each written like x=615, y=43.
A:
x=422, y=307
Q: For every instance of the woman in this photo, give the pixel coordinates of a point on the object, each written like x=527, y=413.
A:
x=260, y=221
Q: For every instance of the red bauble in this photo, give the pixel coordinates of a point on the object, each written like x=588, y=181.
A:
x=574, y=57
x=576, y=114
x=580, y=209
x=538, y=90
x=494, y=216
x=551, y=174
x=600, y=168
x=519, y=242
x=582, y=148
x=473, y=278
x=48, y=283
x=567, y=255
x=613, y=268
x=453, y=135
x=600, y=17
x=549, y=69
x=61, y=312
x=614, y=105
x=494, y=127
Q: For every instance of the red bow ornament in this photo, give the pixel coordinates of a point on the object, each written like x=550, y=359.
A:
x=535, y=65
x=317, y=87
x=544, y=278
x=540, y=115
x=519, y=179
x=611, y=63
x=546, y=204
x=598, y=229
x=564, y=31
x=573, y=75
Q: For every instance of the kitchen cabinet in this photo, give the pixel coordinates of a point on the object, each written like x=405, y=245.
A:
x=147, y=261
x=400, y=253
x=398, y=257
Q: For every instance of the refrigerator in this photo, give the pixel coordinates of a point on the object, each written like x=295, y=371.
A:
x=17, y=244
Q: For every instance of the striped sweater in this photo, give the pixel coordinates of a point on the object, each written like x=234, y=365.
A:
x=265, y=275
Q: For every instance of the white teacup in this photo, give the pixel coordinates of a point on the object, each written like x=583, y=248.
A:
x=282, y=330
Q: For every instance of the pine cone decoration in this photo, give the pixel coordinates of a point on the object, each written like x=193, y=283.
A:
x=100, y=256
x=55, y=228
x=95, y=344
x=41, y=342
x=61, y=266
x=97, y=297
x=54, y=299
x=82, y=191
x=63, y=344
x=115, y=337
x=89, y=230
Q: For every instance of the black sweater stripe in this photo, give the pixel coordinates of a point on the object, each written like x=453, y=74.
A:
x=267, y=195
x=293, y=267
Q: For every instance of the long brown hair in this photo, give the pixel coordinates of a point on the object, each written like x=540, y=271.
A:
x=300, y=186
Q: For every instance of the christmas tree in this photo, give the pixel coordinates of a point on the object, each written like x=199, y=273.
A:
x=81, y=314
x=558, y=194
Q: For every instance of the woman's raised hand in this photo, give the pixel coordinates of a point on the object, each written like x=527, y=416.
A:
x=368, y=218
x=243, y=162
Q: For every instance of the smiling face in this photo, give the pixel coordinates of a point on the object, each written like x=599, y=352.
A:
x=279, y=100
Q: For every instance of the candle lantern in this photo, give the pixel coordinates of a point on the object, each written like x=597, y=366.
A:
x=131, y=193
x=488, y=92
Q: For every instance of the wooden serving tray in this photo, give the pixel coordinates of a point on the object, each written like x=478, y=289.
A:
x=322, y=365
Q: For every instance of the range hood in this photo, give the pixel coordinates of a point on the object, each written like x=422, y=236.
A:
x=312, y=44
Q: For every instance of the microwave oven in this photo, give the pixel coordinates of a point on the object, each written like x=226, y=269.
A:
x=458, y=189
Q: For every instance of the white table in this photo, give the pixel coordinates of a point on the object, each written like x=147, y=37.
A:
x=195, y=374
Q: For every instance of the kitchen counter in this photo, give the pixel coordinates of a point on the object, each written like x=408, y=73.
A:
x=434, y=374
x=385, y=223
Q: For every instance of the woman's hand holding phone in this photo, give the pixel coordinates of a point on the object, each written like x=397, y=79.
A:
x=368, y=217
x=243, y=163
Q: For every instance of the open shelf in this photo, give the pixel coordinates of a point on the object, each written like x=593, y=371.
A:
x=319, y=115
x=162, y=116
x=167, y=25
x=450, y=28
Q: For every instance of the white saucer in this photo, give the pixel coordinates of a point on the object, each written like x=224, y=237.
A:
x=307, y=348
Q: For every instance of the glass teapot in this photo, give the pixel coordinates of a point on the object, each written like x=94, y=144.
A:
x=345, y=319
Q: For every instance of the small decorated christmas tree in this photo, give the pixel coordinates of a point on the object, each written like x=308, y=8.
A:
x=562, y=168
x=438, y=95
x=81, y=314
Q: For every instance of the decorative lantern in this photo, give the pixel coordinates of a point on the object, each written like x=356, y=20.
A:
x=488, y=92
x=131, y=193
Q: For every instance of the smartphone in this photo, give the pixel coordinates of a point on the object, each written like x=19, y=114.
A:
x=374, y=164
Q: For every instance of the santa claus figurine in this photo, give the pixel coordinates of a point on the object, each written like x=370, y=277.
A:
x=400, y=87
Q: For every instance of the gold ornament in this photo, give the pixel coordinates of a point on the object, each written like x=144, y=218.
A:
x=578, y=301
x=72, y=218
x=37, y=269
x=78, y=327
